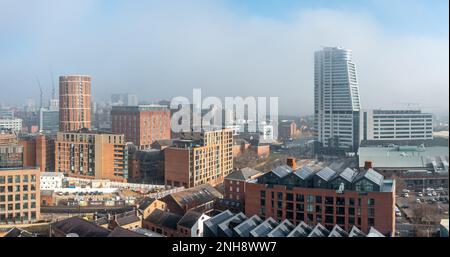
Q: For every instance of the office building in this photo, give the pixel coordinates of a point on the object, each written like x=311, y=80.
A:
x=14, y=125
x=49, y=120
x=74, y=102
x=349, y=198
x=199, y=158
x=336, y=100
x=92, y=155
x=143, y=124
x=396, y=125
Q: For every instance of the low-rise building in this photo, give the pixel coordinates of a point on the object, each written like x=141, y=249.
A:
x=191, y=224
x=51, y=180
x=200, y=199
x=234, y=183
x=148, y=205
x=162, y=222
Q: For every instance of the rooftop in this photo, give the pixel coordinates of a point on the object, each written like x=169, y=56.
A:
x=81, y=227
x=164, y=219
x=403, y=156
x=243, y=174
x=255, y=227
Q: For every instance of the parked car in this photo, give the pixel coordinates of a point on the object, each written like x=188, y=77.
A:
x=418, y=200
x=406, y=195
x=420, y=194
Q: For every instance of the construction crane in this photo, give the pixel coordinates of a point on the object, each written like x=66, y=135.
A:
x=41, y=92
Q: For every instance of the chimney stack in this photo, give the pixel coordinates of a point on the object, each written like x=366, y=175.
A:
x=291, y=162
x=368, y=165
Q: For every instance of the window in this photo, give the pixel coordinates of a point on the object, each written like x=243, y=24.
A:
x=300, y=216
x=289, y=197
x=318, y=199
x=340, y=220
x=371, y=202
x=351, y=220
x=309, y=208
x=351, y=201
x=329, y=219
x=371, y=222
x=299, y=198
x=310, y=198
x=340, y=201
x=329, y=210
x=351, y=211
x=341, y=210
x=300, y=207
x=318, y=208
x=329, y=200
x=371, y=212
x=263, y=194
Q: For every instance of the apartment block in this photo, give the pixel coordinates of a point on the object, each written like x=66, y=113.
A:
x=74, y=102
x=14, y=125
x=143, y=124
x=19, y=195
x=363, y=199
x=199, y=158
x=92, y=155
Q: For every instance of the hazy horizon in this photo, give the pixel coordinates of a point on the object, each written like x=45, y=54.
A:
x=163, y=49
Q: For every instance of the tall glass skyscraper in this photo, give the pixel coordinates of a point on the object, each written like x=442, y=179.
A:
x=336, y=99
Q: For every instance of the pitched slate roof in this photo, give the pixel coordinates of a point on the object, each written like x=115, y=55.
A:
x=348, y=174
x=243, y=174
x=121, y=232
x=128, y=219
x=302, y=230
x=189, y=219
x=355, y=232
x=243, y=229
x=18, y=232
x=164, y=219
x=195, y=196
x=337, y=231
x=81, y=227
x=371, y=175
x=282, y=230
x=214, y=222
x=304, y=172
x=282, y=171
x=264, y=228
x=145, y=203
x=319, y=231
x=236, y=219
x=326, y=173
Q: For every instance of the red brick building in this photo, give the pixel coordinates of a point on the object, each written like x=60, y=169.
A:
x=364, y=199
x=74, y=102
x=143, y=124
x=234, y=183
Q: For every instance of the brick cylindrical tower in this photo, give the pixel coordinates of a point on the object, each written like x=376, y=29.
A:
x=74, y=102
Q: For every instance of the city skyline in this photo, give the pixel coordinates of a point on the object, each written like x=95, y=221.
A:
x=227, y=48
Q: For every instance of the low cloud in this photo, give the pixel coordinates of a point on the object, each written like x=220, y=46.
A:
x=161, y=50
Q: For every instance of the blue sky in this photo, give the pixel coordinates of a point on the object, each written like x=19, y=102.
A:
x=161, y=49
x=417, y=17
